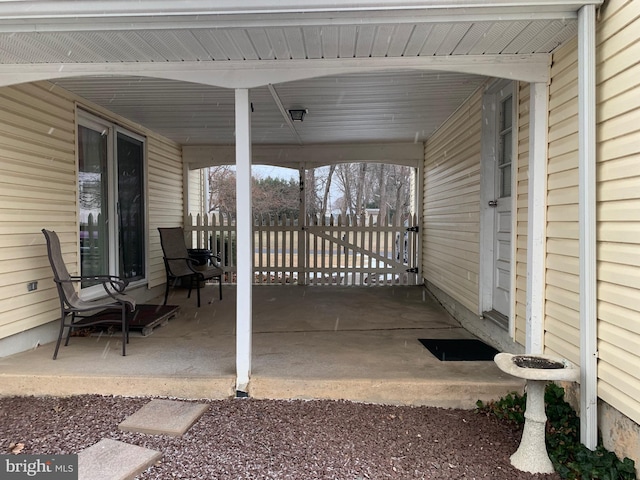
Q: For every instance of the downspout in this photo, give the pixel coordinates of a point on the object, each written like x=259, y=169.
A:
x=587, y=209
x=244, y=223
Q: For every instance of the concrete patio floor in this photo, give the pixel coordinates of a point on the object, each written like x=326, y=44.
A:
x=348, y=343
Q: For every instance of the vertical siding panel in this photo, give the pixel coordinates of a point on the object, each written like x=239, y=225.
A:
x=451, y=241
x=522, y=212
x=618, y=194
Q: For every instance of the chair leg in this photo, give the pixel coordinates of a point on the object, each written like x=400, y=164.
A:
x=55, y=353
x=190, y=286
x=166, y=291
x=73, y=318
x=220, y=285
x=198, y=288
x=125, y=330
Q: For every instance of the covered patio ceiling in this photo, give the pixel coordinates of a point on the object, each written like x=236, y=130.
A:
x=383, y=72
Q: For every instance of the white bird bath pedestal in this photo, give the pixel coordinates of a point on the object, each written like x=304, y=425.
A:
x=537, y=370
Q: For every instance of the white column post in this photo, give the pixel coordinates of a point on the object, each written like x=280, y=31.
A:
x=302, y=223
x=244, y=223
x=537, y=217
x=587, y=209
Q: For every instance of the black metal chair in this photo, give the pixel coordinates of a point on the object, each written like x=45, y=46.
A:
x=179, y=265
x=73, y=307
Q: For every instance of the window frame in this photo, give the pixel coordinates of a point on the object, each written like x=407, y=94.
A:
x=97, y=123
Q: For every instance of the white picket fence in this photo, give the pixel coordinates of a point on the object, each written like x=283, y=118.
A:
x=334, y=250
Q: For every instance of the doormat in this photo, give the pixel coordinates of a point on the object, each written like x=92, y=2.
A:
x=144, y=318
x=459, y=350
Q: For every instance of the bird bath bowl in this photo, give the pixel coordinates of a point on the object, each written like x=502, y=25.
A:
x=537, y=370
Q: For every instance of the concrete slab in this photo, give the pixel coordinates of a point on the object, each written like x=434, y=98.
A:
x=354, y=343
x=164, y=417
x=113, y=460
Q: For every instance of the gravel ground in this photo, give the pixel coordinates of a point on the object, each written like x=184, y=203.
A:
x=259, y=439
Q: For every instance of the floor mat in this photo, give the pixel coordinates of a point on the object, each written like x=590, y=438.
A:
x=459, y=350
x=144, y=318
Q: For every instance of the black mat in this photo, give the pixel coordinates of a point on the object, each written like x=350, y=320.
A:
x=144, y=318
x=459, y=350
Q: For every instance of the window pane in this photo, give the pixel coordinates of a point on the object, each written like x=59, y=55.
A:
x=131, y=207
x=93, y=201
x=506, y=112
x=506, y=147
x=505, y=181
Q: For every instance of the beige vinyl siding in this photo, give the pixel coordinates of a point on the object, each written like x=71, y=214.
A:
x=165, y=199
x=522, y=212
x=37, y=190
x=451, y=240
x=562, y=337
x=196, y=191
x=618, y=210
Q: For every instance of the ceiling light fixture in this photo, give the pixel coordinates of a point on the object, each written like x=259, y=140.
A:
x=297, y=114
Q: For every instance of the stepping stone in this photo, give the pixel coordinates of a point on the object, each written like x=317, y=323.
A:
x=113, y=460
x=164, y=417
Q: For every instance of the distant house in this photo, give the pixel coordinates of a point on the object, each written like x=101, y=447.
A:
x=525, y=118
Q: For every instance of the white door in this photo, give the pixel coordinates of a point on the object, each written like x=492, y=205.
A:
x=502, y=205
x=496, y=233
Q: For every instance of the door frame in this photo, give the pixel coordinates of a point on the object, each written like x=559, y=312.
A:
x=487, y=193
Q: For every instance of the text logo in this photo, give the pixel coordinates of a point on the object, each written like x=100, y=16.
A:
x=49, y=467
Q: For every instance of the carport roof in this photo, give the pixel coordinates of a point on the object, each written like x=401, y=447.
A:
x=371, y=71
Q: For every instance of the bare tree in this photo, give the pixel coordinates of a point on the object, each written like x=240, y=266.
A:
x=382, y=192
x=386, y=187
x=327, y=190
x=399, y=182
x=360, y=188
x=222, y=188
x=345, y=181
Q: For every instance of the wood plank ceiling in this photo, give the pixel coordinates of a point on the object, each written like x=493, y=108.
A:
x=377, y=106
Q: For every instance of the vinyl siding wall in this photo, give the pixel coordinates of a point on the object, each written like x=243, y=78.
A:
x=165, y=199
x=452, y=205
x=618, y=207
x=522, y=212
x=196, y=192
x=562, y=337
x=38, y=189
x=618, y=210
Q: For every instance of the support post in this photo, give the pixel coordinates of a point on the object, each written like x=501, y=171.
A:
x=537, y=218
x=587, y=209
x=302, y=233
x=244, y=225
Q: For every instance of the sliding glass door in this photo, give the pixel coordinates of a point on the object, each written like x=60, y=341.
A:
x=111, y=200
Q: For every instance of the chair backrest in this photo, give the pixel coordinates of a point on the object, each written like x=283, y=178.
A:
x=174, y=247
x=60, y=272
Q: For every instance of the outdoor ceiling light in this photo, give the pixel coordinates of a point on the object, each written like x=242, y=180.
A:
x=297, y=114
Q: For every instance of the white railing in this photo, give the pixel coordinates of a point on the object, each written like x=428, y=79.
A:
x=349, y=250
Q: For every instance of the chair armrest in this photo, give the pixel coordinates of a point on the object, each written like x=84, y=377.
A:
x=211, y=256
x=117, y=283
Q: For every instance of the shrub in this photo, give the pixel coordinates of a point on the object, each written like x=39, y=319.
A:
x=570, y=458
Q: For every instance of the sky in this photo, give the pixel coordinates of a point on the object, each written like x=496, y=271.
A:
x=264, y=171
